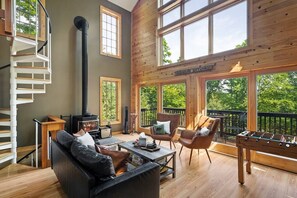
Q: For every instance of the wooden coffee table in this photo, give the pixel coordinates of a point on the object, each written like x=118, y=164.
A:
x=155, y=156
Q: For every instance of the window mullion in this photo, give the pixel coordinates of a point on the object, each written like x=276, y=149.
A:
x=210, y=34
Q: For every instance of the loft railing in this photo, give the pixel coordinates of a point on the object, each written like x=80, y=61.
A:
x=233, y=122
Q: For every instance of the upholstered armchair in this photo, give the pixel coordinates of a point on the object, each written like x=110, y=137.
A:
x=193, y=139
x=174, y=122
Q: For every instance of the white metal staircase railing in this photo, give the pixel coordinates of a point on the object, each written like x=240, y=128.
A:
x=30, y=71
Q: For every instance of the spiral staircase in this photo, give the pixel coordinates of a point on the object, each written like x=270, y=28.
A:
x=30, y=69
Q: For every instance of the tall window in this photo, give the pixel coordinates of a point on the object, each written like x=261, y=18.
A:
x=194, y=28
x=227, y=100
x=148, y=105
x=174, y=100
x=110, y=100
x=110, y=33
x=276, y=103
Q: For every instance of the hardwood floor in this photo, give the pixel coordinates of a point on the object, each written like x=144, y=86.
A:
x=200, y=179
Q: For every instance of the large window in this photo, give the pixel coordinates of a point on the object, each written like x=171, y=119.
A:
x=174, y=100
x=110, y=100
x=166, y=98
x=276, y=103
x=148, y=105
x=227, y=100
x=192, y=29
x=110, y=33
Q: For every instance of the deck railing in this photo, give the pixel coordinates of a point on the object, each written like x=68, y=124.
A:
x=233, y=122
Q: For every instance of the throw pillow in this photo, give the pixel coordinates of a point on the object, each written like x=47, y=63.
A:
x=65, y=139
x=99, y=165
x=119, y=158
x=166, y=126
x=202, y=132
x=79, y=133
x=86, y=139
x=159, y=129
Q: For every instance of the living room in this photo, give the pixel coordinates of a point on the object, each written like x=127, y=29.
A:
x=203, y=55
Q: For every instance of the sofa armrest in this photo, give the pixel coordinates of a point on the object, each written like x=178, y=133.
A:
x=75, y=181
x=143, y=181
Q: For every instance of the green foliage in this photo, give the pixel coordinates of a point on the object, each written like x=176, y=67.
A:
x=148, y=95
x=243, y=44
x=277, y=92
x=174, y=95
x=109, y=101
x=26, y=16
x=227, y=94
x=166, y=52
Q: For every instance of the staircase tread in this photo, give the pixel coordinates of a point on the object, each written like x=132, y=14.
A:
x=4, y=143
x=38, y=79
x=4, y=119
x=28, y=89
x=4, y=131
x=4, y=109
x=24, y=99
x=28, y=54
x=30, y=67
x=6, y=154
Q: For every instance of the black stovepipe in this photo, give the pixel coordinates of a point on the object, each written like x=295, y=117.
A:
x=82, y=24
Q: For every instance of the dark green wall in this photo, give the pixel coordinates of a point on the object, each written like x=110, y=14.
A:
x=63, y=96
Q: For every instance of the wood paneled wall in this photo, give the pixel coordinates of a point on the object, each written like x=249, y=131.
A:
x=272, y=48
x=272, y=37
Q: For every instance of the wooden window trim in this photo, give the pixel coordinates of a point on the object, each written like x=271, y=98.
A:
x=159, y=85
x=258, y=157
x=119, y=32
x=207, y=11
x=118, y=81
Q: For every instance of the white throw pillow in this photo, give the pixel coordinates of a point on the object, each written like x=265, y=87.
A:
x=166, y=126
x=204, y=131
x=86, y=139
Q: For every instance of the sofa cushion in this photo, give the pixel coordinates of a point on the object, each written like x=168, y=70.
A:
x=119, y=158
x=65, y=139
x=86, y=139
x=100, y=165
x=79, y=133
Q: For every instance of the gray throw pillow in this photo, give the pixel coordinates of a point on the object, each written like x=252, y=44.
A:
x=65, y=139
x=159, y=129
x=100, y=165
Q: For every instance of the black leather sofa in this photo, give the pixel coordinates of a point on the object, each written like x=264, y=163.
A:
x=76, y=181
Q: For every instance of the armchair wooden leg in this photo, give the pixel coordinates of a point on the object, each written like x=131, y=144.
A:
x=208, y=155
x=173, y=144
x=198, y=152
x=181, y=150
x=190, y=157
x=170, y=144
x=159, y=142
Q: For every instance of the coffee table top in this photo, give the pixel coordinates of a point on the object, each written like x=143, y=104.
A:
x=152, y=156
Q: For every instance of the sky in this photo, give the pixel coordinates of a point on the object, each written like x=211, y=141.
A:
x=230, y=29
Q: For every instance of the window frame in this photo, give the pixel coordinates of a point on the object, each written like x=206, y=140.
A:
x=118, y=82
x=208, y=11
x=104, y=10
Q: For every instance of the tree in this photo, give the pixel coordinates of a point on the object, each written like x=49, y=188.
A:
x=166, y=52
x=243, y=44
x=26, y=16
